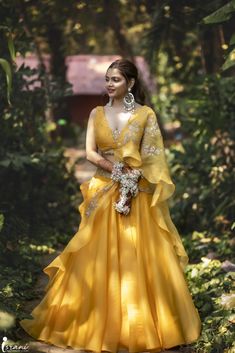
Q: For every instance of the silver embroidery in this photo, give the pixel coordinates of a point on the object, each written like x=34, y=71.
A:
x=107, y=152
x=152, y=127
x=94, y=200
x=92, y=205
x=132, y=134
x=150, y=140
x=151, y=150
x=116, y=133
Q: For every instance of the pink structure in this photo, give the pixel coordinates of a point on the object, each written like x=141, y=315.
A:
x=86, y=75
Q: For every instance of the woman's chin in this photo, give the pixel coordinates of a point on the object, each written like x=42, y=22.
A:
x=115, y=96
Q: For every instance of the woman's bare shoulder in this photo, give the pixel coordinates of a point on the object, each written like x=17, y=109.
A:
x=93, y=112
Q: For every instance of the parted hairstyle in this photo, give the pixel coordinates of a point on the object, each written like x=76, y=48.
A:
x=129, y=71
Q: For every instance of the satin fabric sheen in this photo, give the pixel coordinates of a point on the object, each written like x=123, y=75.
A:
x=119, y=284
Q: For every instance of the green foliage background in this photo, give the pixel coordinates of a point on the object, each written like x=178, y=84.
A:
x=189, y=47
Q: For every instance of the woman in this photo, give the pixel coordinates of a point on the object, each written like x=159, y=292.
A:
x=120, y=283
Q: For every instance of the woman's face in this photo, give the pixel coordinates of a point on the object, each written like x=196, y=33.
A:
x=116, y=84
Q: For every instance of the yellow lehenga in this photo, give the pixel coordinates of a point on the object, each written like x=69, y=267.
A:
x=120, y=283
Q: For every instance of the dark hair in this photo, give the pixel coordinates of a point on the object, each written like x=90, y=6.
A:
x=129, y=71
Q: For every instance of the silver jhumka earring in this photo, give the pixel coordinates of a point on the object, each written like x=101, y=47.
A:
x=129, y=101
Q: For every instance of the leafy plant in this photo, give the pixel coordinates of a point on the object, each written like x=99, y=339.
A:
x=209, y=285
x=224, y=14
x=204, y=166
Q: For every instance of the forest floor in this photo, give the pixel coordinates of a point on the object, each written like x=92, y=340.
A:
x=84, y=170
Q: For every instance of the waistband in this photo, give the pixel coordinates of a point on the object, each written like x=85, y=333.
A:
x=107, y=152
x=143, y=184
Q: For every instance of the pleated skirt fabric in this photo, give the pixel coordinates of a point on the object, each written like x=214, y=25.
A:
x=118, y=284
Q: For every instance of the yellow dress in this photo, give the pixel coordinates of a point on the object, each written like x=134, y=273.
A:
x=120, y=283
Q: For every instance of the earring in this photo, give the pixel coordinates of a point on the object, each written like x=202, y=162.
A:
x=129, y=101
x=110, y=102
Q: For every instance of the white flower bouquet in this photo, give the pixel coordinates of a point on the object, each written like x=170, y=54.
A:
x=128, y=186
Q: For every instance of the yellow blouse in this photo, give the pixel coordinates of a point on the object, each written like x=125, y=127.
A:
x=140, y=145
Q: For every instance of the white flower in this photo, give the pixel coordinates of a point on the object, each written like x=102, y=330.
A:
x=228, y=300
x=128, y=184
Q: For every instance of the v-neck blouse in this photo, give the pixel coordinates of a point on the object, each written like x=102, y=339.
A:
x=105, y=136
x=125, y=125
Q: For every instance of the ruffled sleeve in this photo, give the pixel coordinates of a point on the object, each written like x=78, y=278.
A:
x=154, y=164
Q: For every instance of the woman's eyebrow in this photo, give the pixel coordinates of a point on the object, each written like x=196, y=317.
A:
x=112, y=76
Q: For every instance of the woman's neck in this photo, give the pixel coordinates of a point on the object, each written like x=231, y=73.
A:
x=117, y=103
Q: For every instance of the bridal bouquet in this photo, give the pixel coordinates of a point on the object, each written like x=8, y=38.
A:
x=128, y=185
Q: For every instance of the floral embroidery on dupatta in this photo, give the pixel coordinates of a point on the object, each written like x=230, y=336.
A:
x=132, y=132
x=93, y=203
x=152, y=136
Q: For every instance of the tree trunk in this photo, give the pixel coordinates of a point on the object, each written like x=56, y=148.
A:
x=211, y=47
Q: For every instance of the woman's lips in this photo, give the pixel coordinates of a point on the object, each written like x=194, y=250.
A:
x=111, y=90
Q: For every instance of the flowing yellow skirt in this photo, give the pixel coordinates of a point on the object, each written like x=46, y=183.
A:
x=119, y=283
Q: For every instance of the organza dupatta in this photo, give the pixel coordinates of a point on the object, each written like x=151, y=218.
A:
x=150, y=157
